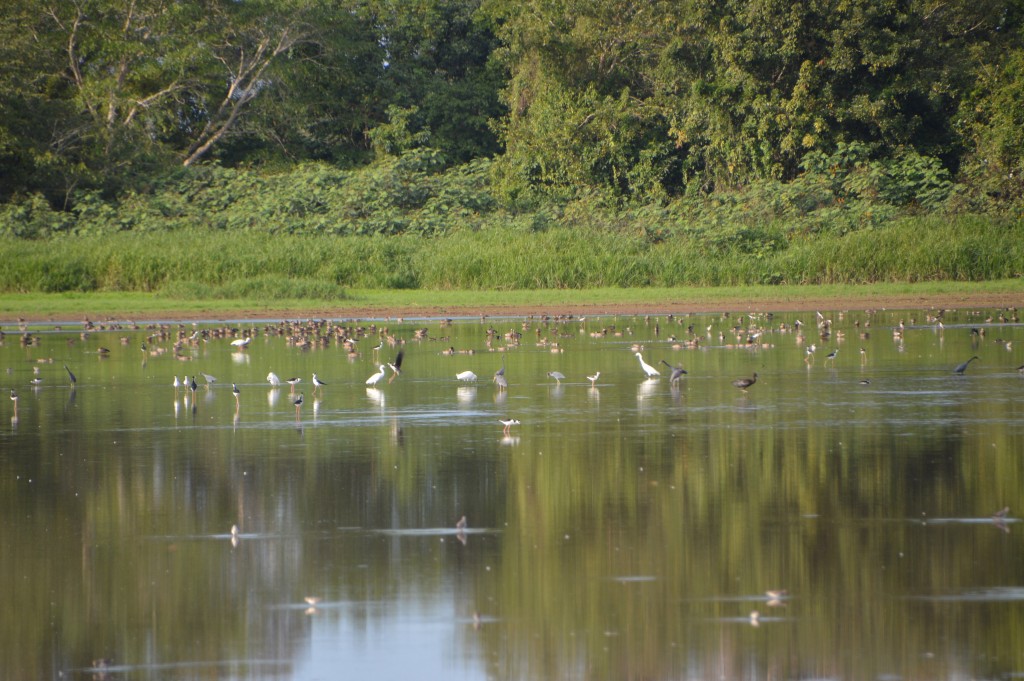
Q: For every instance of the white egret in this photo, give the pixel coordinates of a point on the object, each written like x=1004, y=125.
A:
x=466, y=376
x=273, y=379
x=376, y=378
x=648, y=369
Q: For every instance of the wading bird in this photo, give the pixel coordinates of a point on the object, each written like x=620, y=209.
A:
x=14, y=398
x=298, y=404
x=375, y=379
x=508, y=423
x=235, y=391
x=273, y=379
x=240, y=343
x=317, y=383
x=744, y=383
x=193, y=386
x=648, y=369
x=294, y=381
x=961, y=368
x=677, y=372
x=557, y=375
x=832, y=356
x=593, y=379
x=396, y=366
x=71, y=376
x=210, y=380
x=466, y=376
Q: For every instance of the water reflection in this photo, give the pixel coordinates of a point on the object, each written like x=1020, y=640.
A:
x=851, y=517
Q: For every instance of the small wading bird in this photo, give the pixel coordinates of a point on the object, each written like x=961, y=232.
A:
x=593, y=379
x=466, y=376
x=396, y=366
x=71, y=376
x=14, y=398
x=294, y=381
x=677, y=372
x=831, y=356
x=508, y=423
x=650, y=371
x=317, y=383
x=298, y=404
x=210, y=380
x=744, y=383
x=193, y=386
x=557, y=375
x=961, y=368
x=235, y=392
x=375, y=379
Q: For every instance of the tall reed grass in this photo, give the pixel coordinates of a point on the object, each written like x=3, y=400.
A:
x=241, y=264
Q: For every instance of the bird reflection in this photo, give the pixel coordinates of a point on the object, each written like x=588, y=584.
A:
x=465, y=394
x=376, y=396
x=273, y=395
x=999, y=519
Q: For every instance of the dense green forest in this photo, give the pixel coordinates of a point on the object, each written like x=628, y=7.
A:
x=737, y=123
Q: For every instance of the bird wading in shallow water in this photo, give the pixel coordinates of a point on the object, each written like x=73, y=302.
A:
x=376, y=378
x=650, y=371
x=677, y=372
x=744, y=383
x=557, y=375
x=508, y=423
x=593, y=379
x=961, y=368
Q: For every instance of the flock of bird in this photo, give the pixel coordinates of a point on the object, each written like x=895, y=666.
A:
x=320, y=333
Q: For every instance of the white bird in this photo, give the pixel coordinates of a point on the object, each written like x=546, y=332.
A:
x=648, y=369
x=273, y=379
x=375, y=379
x=593, y=379
x=176, y=383
x=508, y=423
x=241, y=342
x=466, y=376
x=317, y=383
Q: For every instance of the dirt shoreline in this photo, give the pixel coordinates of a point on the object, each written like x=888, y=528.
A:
x=909, y=302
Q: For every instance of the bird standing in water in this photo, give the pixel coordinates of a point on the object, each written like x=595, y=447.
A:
x=677, y=372
x=961, y=368
x=650, y=371
x=744, y=383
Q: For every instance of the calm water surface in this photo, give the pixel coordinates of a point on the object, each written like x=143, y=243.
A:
x=629, y=529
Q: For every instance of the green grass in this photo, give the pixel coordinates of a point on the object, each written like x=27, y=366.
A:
x=379, y=303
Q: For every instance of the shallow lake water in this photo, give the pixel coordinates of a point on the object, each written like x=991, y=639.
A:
x=626, y=528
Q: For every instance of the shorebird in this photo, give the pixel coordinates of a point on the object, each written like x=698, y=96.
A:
x=235, y=392
x=832, y=356
x=176, y=384
x=273, y=380
x=744, y=383
x=71, y=376
x=466, y=376
x=210, y=380
x=396, y=366
x=14, y=398
x=317, y=383
x=677, y=372
x=508, y=423
x=294, y=381
x=557, y=375
x=375, y=379
x=593, y=379
x=961, y=368
x=298, y=404
x=648, y=369
x=193, y=386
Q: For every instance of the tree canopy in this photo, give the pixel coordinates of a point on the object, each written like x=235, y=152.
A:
x=631, y=100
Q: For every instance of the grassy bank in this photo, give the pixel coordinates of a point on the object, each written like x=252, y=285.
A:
x=411, y=303
x=186, y=265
